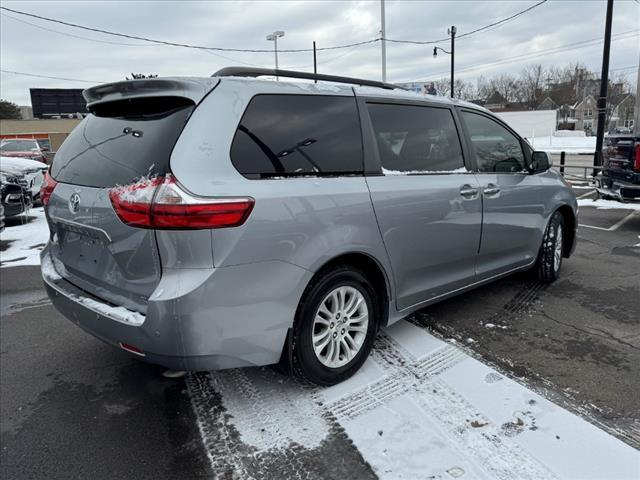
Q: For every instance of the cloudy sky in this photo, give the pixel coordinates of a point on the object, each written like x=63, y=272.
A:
x=550, y=34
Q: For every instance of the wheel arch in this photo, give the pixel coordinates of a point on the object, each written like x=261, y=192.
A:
x=374, y=271
x=569, y=218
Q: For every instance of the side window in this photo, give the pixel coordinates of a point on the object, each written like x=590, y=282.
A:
x=416, y=139
x=298, y=135
x=496, y=148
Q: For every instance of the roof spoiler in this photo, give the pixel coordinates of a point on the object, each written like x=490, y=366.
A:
x=272, y=72
x=192, y=88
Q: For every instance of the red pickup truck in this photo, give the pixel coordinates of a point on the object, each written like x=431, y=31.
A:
x=620, y=176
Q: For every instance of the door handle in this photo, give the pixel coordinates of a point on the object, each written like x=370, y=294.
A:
x=491, y=189
x=468, y=191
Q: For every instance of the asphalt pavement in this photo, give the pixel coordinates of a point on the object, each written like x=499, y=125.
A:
x=73, y=407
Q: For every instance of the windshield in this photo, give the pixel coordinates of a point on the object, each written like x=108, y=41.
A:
x=18, y=145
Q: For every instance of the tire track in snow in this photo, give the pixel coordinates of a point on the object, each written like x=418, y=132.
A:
x=256, y=423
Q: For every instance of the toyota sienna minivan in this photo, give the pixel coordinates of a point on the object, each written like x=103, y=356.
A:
x=230, y=221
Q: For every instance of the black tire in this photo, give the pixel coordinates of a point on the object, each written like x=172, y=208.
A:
x=547, y=268
x=305, y=362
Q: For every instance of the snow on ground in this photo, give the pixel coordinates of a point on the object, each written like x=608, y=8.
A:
x=607, y=204
x=25, y=240
x=419, y=408
x=567, y=144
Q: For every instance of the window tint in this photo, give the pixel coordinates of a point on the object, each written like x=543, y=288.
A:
x=416, y=139
x=298, y=135
x=497, y=149
x=103, y=151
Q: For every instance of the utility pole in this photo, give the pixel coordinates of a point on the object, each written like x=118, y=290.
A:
x=273, y=37
x=383, y=41
x=452, y=32
x=636, y=117
x=315, y=64
x=604, y=83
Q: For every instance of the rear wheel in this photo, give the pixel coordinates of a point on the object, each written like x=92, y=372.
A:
x=335, y=327
x=552, y=249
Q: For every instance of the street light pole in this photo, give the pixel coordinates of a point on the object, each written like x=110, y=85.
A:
x=383, y=41
x=274, y=38
x=435, y=55
x=452, y=32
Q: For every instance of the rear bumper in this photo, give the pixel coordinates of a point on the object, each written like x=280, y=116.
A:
x=196, y=320
x=624, y=191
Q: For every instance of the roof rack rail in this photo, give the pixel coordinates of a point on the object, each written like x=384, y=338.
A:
x=261, y=72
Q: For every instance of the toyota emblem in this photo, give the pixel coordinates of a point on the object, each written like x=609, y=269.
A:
x=74, y=203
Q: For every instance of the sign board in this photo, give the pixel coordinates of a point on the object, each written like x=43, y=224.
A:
x=58, y=102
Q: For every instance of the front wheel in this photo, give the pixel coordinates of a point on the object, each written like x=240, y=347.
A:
x=552, y=249
x=335, y=327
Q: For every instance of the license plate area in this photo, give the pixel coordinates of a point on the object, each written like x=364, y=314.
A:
x=79, y=248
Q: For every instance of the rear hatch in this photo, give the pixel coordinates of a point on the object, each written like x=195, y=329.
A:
x=128, y=136
x=621, y=158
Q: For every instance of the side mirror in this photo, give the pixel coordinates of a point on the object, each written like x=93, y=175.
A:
x=540, y=162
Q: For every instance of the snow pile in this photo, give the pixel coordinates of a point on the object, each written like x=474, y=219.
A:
x=569, y=133
x=566, y=144
x=608, y=204
x=25, y=240
x=49, y=270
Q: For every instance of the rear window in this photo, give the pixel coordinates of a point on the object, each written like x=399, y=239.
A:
x=121, y=141
x=18, y=145
x=288, y=135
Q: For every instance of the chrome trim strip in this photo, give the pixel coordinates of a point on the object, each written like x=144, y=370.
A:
x=81, y=225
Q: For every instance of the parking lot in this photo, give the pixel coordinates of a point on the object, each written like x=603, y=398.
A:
x=512, y=380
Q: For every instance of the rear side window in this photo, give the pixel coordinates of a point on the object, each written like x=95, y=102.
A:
x=496, y=148
x=121, y=141
x=416, y=139
x=287, y=135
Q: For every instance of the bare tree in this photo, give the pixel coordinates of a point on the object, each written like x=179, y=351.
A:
x=532, y=82
x=506, y=85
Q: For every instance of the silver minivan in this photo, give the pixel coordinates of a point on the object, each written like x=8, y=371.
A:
x=210, y=223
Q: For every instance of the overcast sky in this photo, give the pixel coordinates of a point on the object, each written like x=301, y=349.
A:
x=243, y=24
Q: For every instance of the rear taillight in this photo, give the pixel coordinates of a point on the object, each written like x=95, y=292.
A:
x=48, y=185
x=160, y=203
x=636, y=162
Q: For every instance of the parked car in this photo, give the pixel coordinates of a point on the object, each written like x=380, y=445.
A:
x=227, y=222
x=1, y=217
x=31, y=149
x=620, y=177
x=29, y=172
x=14, y=196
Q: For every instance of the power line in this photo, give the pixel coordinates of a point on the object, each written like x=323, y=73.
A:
x=77, y=36
x=118, y=43
x=47, y=76
x=504, y=20
x=223, y=49
x=472, y=32
x=554, y=50
x=184, y=45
